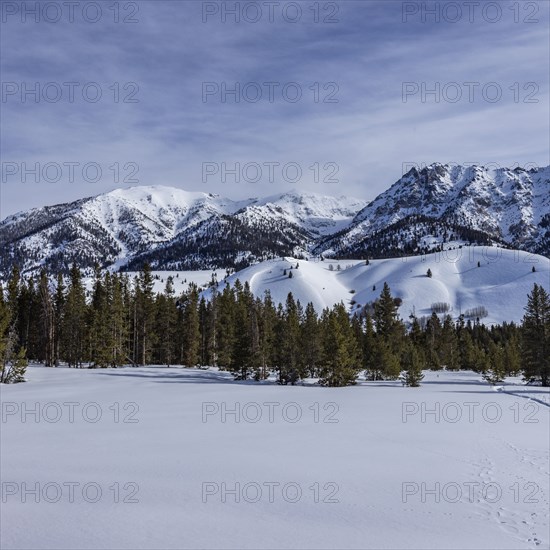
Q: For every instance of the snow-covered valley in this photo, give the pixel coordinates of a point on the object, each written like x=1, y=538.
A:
x=153, y=454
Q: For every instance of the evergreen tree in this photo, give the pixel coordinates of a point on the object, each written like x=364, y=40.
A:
x=385, y=313
x=310, y=340
x=536, y=336
x=47, y=319
x=166, y=323
x=412, y=363
x=118, y=321
x=387, y=361
x=390, y=335
x=74, y=328
x=191, y=335
x=58, y=305
x=267, y=325
x=144, y=317
x=289, y=363
x=225, y=327
x=341, y=358
x=448, y=347
x=246, y=343
x=372, y=367
x=13, y=364
x=13, y=291
x=101, y=345
x=433, y=342
x=512, y=357
x=495, y=373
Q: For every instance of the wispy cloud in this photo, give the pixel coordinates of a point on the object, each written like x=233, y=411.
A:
x=171, y=130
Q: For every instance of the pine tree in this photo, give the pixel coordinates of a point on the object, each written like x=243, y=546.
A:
x=28, y=321
x=385, y=313
x=212, y=348
x=267, y=326
x=310, y=341
x=433, y=342
x=289, y=364
x=191, y=336
x=13, y=291
x=495, y=373
x=119, y=320
x=246, y=344
x=225, y=327
x=372, y=367
x=59, y=304
x=390, y=335
x=166, y=323
x=13, y=364
x=341, y=358
x=387, y=360
x=101, y=346
x=413, y=364
x=512, y=357
x=144, y=317
x=448, y=347
x=536, y=336
x=47, y=318
x=74, y=329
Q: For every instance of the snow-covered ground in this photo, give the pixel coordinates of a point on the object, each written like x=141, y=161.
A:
x=452, y=464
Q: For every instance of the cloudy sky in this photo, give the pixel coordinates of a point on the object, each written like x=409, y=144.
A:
x=107, y=94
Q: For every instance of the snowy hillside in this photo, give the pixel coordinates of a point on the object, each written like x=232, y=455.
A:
x=500, y=284
x=371, y=469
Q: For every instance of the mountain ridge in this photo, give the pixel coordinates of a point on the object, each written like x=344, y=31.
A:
x=171, y=228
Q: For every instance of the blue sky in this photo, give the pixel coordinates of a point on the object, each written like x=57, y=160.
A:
x=359, y=59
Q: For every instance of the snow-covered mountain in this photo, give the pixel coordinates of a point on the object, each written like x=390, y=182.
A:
x=169, y=228
x=174, y=229
x=511, y=207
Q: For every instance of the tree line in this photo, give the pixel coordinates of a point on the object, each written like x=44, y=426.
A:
x=124, y=322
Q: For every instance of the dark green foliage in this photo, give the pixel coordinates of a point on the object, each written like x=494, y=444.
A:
x=341, y=360
x=536, y=336
x=121, y=322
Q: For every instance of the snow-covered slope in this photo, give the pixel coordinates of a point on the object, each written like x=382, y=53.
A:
x=500, y=284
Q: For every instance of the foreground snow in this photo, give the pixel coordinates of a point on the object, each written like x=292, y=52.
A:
x=374, y=467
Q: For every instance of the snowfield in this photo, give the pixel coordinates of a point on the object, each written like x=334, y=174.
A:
x=154, y=458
